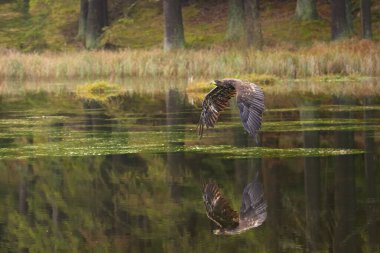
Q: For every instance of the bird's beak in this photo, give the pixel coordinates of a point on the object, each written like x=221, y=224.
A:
x=213, y=82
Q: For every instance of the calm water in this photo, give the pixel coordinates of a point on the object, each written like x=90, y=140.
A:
x=125, y=175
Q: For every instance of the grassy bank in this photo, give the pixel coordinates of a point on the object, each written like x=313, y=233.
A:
x=345, y=58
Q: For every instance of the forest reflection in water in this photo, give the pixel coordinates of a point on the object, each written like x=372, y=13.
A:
x=125, y=174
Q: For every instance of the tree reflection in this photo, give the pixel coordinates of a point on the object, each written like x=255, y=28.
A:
x=271, y=168
x=344, y=189
x=312, y=180
x=146, y=202
x=175, y=103
x=370, y=178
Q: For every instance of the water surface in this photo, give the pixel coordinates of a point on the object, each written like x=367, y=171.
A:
x=124, y=175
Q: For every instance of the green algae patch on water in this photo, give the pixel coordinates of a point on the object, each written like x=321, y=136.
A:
x=321, y=125
x=231, y=152
x=125, y=144
x=99, y=90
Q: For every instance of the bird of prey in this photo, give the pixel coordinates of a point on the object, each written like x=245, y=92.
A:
x=252, y=211
x=250, y=100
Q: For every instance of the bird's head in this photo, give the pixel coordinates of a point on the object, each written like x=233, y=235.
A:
x=217, y=82
x=226, y=82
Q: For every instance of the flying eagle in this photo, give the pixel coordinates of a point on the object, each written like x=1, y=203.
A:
x=250, y=100
x=252, y=211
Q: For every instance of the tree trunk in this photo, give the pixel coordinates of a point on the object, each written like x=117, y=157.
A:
x=253, y=24
x=235, y=28
x=306, y=10
x=349, y=18
x=173, y=26
x=340, y=25
x=82, y=19
x=96, y=21
x=25, y=7
x=366, y=19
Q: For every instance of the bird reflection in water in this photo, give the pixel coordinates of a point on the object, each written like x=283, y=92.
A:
x=253, y=210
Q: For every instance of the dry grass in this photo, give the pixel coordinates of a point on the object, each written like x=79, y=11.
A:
x=344, y=58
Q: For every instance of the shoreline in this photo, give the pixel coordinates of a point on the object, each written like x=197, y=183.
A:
x=362, y=87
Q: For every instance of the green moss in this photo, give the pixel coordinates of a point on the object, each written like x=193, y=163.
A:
x=202, y=30
x=141, y=29
x=48, y=24
x=98, y=90
x=297, y=32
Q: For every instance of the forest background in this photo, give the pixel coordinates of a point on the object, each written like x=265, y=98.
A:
x=294, y=37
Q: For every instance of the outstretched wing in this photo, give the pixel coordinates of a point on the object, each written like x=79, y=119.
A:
x=217, y=208
x=253, y=211
x=215, y=102
x=250, y=100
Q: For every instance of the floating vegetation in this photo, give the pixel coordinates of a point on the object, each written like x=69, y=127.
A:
x=306, y=125
x=321, y=125
x=33, y=129
x=227, y=151
x=99, y=90
x=329, y=108
x=50, y=141
x=70, y=140
x=118, y=144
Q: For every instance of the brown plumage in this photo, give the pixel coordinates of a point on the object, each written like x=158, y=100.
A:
x=250, y=100
x=252, y=212
x=217, y=207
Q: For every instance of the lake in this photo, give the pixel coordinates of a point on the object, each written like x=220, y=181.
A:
x=125, y=174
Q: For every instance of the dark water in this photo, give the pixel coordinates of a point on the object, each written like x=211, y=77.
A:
x=125, y=175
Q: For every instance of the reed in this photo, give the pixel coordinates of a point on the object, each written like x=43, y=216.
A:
x=344, y=58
